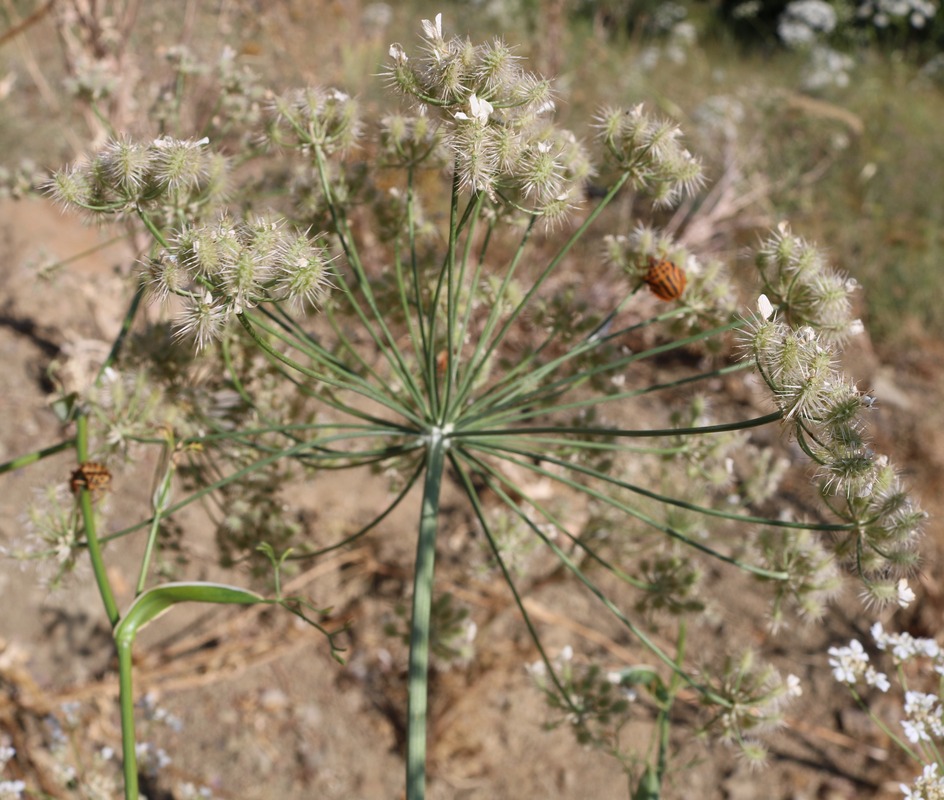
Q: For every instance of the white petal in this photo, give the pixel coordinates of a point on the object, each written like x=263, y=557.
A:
x=433, y=30
x=765, y=307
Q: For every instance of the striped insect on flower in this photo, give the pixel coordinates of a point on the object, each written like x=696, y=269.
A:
x=665, y=279
x=92, y=476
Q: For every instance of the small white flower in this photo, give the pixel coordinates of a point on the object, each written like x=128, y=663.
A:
x=537, y=670
x=925, y=717
x=398, y=54
x=12, y=788
x=905, y=594
x=794, y=687
x=479, y=109
x=433, y=30
x=929, y=785
x=877, y=679
x=848, y=663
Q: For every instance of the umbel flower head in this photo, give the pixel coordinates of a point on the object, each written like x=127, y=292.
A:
x=128, y=177
x=494, y=121
x=314, y=116
x=229, y=267
x=822, y=409
x=798, y=280
x=650, y=151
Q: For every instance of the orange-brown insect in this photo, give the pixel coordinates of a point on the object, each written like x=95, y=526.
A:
x=665, y=279
x=442, y=361
x=91, y=475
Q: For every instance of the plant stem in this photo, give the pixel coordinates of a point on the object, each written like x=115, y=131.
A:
x=37, y=455
x=420, y=619
x=88, y=520
x=126, y=700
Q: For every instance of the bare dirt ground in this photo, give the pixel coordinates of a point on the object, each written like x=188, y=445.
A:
x=265, y=712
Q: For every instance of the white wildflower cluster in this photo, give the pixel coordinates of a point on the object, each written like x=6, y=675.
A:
x=927, y=786
x=827, y=68
x=20, y=180
x=155, y=713
x=93, y=79
x=226, y=268
x=650, y=151
x=793, y=343
x=804, y=21
x=327, y=119
x=126, y=177
x=10, y=789
x=851, y=665
x=883, y=13
x=676, y=37
x=922, y=719
x=747, y=10
x=151, y=758
x=494, y=118
x=190, y=791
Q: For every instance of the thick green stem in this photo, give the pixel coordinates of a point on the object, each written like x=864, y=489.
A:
x=126, y=701
x=420, y=620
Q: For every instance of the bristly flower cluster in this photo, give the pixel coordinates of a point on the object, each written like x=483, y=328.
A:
x=749, y=698
x=709, y=298
x=228, y=267
x=798, y=280
x=494, y=122
x=127, y=177
x=798, y=362
x=324, y=118
x=650, y=151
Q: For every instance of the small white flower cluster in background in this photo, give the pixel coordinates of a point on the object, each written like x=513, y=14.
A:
x=922, y=720
x=804, y=21
x=882, y=12
x=827, y=68
x=9, y=789
x=328, y=119
x=584, y=696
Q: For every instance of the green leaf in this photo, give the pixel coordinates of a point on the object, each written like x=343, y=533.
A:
x=154, y=602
